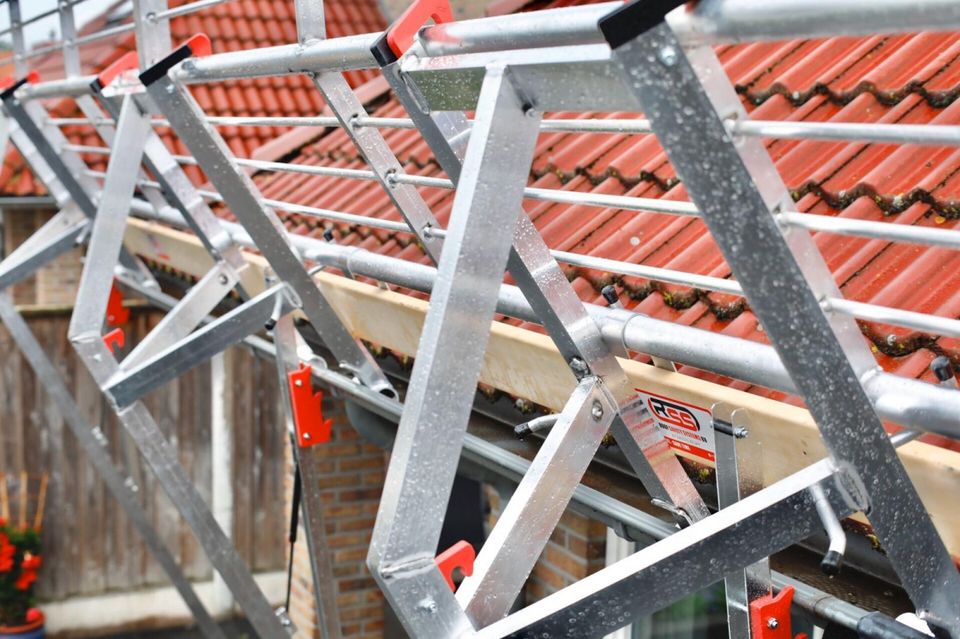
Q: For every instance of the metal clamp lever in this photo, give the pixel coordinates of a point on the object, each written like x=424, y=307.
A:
x=535, y=425
x=399, y=36
x=838, y=539
x=197, y=46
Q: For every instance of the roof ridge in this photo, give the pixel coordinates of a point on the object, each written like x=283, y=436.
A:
x=889, y=204
x=938, y=99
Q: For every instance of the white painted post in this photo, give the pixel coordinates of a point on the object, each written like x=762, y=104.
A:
x=221, y=447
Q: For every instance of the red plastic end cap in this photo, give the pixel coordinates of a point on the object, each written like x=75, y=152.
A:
x=308, y=421
x=115, y=339
x=200, y=45
x=401, y=33
x=33, y=77
x=460, y=555
x=127, y=62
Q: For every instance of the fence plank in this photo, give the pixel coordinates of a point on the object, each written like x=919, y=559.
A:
x=90, y=546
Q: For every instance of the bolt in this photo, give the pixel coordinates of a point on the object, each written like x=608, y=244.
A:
x=223, y=279
x=579, y=367
x=596, y=411
x=529, y=111
x=428, y=606
x=306, y=436
x=668, y=56
x=391, y=177
x=772, y=623
x=298, y=383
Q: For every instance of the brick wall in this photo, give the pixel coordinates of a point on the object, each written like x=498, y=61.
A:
x=353, y=478
x=576, y=549
x=55, y=284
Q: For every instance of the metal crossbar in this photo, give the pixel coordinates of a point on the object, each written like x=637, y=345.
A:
x=509, y=71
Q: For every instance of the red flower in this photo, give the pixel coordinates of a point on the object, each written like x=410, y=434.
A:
x=7, y=551
x=34, y=614
x=26, y=579
x=31, y=561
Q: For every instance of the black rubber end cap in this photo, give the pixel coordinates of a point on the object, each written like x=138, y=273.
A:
x=9, y=91
x=609, y=293
x=161, y=68
x=270, y=324
x=942, y=368
x=831, y=563
x=382, y=52
x=632, y=20
x=328, y=235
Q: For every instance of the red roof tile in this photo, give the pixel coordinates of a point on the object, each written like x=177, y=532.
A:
x=910, y=78
x=232, y=26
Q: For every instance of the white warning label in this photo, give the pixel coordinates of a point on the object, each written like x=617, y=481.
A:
x=688, y=428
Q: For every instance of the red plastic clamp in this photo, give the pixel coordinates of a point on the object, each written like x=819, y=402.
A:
x=117, y=313
x=308, y=419
x=115, y=339
x=770, y=616
x=460, y=555
x=401, y=33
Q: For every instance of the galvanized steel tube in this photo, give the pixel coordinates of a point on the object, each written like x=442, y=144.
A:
x=336, y=54
x=908, y=402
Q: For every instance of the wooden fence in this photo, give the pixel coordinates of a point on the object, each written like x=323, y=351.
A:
x=89, y=546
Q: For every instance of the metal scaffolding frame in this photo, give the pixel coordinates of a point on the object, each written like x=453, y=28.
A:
x=647, y=56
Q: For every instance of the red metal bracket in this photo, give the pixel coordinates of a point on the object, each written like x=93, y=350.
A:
x=308, y=419
x=460, y=555
x=115, y=339
x=117, y=313
x=770, y=616
x=401, y=33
